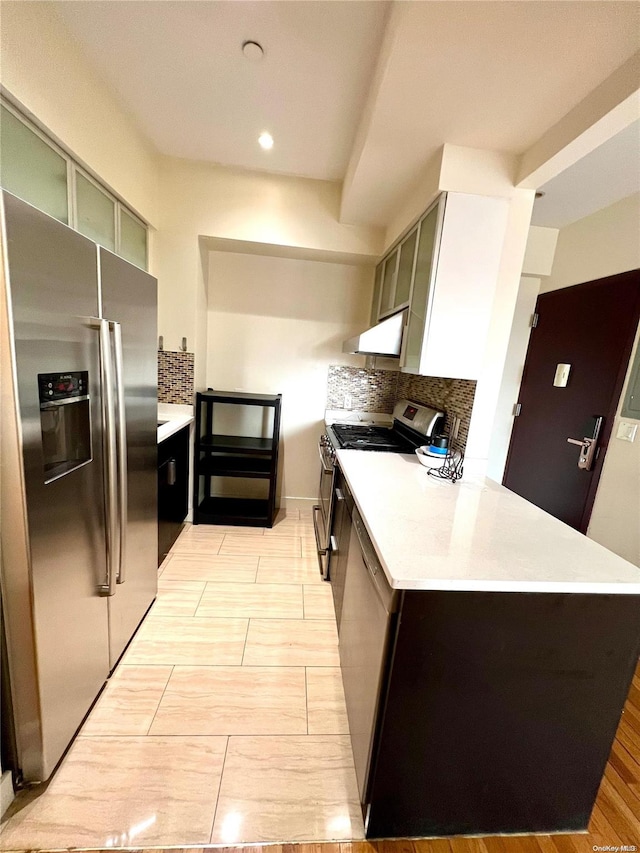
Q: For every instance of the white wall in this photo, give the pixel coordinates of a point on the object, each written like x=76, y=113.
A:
x=512, y=376
x=200, y=200
x=606, y=243
x=44, y=70
x=275, y=326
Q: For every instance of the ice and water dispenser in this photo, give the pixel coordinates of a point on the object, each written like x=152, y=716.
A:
x=65, y=422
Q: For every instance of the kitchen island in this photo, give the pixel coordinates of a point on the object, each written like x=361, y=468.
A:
x=509, y=652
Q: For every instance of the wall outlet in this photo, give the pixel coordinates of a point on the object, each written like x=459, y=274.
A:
x=348, y=401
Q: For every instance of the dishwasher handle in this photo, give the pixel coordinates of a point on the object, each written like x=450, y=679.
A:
x=386, y=594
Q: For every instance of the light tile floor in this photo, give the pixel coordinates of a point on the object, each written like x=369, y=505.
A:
x=225, y=720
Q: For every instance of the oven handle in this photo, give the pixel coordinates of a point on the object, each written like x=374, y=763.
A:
x=326, y=469
x=322, y=551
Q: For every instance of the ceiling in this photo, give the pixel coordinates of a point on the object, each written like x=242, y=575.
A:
x=606, y=175
x=487, y=75
x=178, y=67
x=366, y=92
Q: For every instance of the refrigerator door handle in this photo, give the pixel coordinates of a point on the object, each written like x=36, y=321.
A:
x=121, y=435
x=110, y=458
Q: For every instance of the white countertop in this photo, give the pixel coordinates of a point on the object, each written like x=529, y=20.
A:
x=474, y=535
x=175, y=417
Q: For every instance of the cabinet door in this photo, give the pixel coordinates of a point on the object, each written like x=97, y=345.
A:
x=173, y=489
x=388, y=283
x=377, y=287
x=341, y=532
x=419, y=308
x=405, y=269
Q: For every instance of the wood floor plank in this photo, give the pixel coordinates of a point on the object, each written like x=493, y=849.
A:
x=399, y=845
x=546, y=844
x=617, y=813
x=624, y=790
x=357, y=847
x=601, y=833
x=620, y=756
x=516, y=844
x=432, y=845
x=620, y=765
x=629, y=738
x=568, y=843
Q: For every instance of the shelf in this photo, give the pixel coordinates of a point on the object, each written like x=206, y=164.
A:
x=230, y=443
x=218, y=457
x=235, y=466
x=240, y=398
x=234, y=511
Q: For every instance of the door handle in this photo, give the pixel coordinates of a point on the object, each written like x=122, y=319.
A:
x=121, y=433
x=321, y=551
x=110, y=458
x=334, y=543
x=588, y=446
x=172, y=473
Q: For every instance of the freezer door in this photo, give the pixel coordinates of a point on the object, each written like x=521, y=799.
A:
x=129, y=298
x=53, y=529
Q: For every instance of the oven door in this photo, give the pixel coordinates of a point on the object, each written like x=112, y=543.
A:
x=323, y=510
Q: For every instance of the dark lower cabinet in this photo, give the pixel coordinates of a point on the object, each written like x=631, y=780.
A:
x=497, y=711
x=173, y=489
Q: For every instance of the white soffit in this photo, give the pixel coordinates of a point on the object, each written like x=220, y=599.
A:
x=177, y=67
x=487, y=75
x=606, y=175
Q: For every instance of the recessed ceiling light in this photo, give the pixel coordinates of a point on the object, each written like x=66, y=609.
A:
x=252, y=50
x=266, y=140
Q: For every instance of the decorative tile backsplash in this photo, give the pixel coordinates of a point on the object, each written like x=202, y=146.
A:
x=175, y=377
x=378, y=390
x=453, y=396
x=369, y=390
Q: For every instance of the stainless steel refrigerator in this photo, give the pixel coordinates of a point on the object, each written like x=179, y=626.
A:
x=78, y=478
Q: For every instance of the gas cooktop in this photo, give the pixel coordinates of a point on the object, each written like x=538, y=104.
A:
x=413, y=426
x=356, y=437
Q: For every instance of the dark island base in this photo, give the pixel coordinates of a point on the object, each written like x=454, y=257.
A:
x=500, y=712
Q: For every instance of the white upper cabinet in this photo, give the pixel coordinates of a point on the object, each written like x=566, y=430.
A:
x=459, y=248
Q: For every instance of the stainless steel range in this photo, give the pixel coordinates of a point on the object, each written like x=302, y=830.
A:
x=413, y=426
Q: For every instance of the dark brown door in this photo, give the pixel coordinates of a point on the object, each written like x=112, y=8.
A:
x=590, y=327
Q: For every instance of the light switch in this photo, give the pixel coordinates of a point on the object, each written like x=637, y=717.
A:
x=626, y=432
x=562, y=376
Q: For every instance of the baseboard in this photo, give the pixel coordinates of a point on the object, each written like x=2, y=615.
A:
x=7, y=793
x=298, y=503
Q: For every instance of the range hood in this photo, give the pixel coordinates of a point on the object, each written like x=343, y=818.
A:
x=384, y=339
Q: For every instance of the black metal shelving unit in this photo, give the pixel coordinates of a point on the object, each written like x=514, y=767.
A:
x=247, y=457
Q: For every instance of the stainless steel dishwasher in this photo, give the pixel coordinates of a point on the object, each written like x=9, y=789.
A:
x=366, y=619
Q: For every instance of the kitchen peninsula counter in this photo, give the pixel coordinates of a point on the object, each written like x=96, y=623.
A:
x=510, y=645
x=474, y=535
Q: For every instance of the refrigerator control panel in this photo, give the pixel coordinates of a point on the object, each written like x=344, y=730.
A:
x=54, y=387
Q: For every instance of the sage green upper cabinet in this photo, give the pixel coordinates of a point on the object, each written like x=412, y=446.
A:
x=405, y=270
x=31, y=169
x=390, y=266
x=377, y=287
x=394, y=276
x=460, y=244
x=416, y=323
